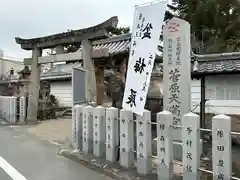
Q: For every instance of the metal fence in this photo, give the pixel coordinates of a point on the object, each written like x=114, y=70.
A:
x=105, y=131
x=12, y=109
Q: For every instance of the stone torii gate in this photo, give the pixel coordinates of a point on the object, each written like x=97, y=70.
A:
x=83, y=37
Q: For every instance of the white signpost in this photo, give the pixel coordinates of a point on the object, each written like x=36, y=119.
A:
x=177, y=71
x=147, y=27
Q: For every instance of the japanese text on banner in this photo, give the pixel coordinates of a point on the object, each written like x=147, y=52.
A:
x=145, y=39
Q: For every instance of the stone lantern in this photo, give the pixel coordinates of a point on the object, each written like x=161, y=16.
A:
x=154, y=101
x=24, y=77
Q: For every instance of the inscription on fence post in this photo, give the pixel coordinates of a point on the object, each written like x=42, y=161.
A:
x=144, y=143
x=22, y=109
x=99, y=131
x=126, y=138
x=88, y=129
x=79, y=126
x=191, y=146
x=74, y=126
x=112, y=134
x=221, y=147
x=164, y=145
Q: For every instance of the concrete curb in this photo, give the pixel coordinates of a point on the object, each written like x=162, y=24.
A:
x=113, y=170
x=91, y=166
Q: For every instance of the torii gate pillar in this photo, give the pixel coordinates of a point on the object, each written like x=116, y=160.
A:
x=34, y=87
x=89, y=67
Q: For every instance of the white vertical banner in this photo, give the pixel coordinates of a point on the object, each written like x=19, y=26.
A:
x=177, y=70
x=146, y=32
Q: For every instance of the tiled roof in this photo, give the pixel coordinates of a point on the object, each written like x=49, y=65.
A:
x=207, y=64
x=117, y=44
x=218, y=65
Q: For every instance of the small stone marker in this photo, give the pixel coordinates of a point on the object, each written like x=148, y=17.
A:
x=191, y=146
x=164, y=146
x=79, y=129
x=88, y=129
x=22, y=109
x=221, y=147
x=99, y=131
x=74, y=125
x=126, y=138
x=112, y=134
x=144, y=143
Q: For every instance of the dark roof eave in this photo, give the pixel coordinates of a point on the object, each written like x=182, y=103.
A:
x=216, y=57
x=112, y=39
x=58, y=79
x=92, y=33
x=197, y=74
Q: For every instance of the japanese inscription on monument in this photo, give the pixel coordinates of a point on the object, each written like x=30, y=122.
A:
x=145, y=38
x=177, y=70
x=188, y=144
x=221, y=148
x=191, y=146
x=144, y=146
x=163, y=132
x=164, y=145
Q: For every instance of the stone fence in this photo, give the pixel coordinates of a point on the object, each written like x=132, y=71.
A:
x=105, y=132
x=13, y=110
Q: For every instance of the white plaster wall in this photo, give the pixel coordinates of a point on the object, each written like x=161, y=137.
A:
x=222, y=92
x=63, y=92
x=6, y=66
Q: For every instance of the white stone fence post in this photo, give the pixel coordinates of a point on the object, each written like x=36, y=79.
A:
x=22, y=109
x=105, y=132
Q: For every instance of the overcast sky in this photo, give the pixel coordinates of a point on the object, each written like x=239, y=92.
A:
x=35, y=18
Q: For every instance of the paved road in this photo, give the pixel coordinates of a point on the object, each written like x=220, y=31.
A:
x=25, y=157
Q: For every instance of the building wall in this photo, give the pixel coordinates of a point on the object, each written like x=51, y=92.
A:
x=222, y=92
x=63, y=92
x=7, y=65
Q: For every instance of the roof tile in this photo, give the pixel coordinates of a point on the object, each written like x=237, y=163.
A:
x=218, y=66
